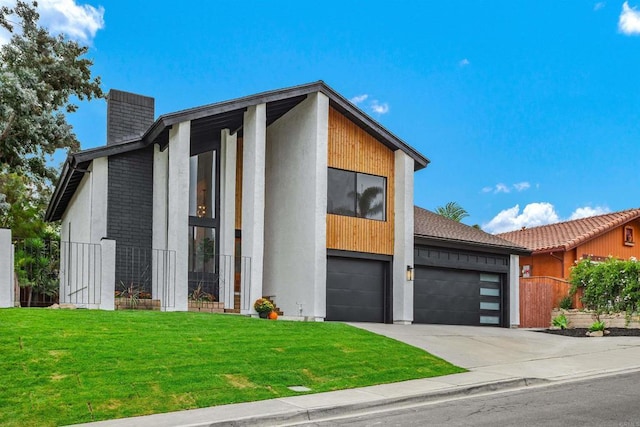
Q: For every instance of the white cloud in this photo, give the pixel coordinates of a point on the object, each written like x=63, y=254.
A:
x=629, y=22
x=534, y=214
x=588, y=211
x=359, y=98
x=521, y=186
x=501, y=188
x=599, y=5
x=504, y=188
x=79, y=22
x=464, y=62
x=379, y=108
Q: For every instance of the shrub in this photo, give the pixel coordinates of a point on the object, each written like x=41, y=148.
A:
x=597, y=326
x=566, y=303
x=610, y=286
x=560, y=322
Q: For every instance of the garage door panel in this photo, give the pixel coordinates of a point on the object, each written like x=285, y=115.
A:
x=356, y=289
x=448, y=296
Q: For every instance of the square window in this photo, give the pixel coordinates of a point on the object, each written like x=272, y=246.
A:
x=356, y=194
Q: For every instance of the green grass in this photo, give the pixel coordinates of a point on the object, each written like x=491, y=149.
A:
x=72, y=366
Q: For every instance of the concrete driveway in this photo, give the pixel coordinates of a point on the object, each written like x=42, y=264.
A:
x=517, y=352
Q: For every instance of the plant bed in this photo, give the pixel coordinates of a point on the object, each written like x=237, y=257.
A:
x=582, y=332
x=139, y=304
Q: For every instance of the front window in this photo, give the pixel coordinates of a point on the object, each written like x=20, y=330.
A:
x=356, y=194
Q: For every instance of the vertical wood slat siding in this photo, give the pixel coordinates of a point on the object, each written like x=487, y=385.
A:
x=538, y=296
x=353, y=149
x=612, y=244
x=239, y=185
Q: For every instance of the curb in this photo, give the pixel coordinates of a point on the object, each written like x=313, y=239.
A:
x=317, y=414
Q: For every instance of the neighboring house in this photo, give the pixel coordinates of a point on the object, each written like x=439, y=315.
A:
x=463, y=276
x=556, y=247
x=294, y=194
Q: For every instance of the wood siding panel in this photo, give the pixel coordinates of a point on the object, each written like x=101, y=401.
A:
x=538, y=296
x=612, y=244
x=353, y=149
x=239, y=185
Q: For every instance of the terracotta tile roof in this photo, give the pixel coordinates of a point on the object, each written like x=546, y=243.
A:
x=431, y=225
x=564, y=236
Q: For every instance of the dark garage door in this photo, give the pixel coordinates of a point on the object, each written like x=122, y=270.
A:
x=457, y=297
x=356, y=289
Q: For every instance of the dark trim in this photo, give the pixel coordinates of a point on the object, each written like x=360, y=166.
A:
x=470, y=246
x=359, y=255
x=337, y=100
x=461, y=264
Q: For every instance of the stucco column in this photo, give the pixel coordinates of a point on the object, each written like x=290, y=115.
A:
x=159, y=218
x=228, y=148
x=107, y=274
x=403, y=239
x=514, y=290
x=178, y=213
x=253, y=193
x=6, y=269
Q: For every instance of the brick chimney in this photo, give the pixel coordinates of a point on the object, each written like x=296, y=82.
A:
x=129, y=115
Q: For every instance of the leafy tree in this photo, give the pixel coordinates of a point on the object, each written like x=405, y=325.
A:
x=452, y=210
x=39, y=73
x=24, y=207
x=37, y=264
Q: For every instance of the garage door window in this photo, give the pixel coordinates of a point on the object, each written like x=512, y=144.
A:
x=489, y=299
x=356, y=194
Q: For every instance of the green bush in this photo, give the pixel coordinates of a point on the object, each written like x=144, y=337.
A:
x=560, y=322
x=597, y=326
x=566, y=303
x=608, y=287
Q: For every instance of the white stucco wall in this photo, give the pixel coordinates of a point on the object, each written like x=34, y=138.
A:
x=161, y=272
x=86, y=214
x=178, y=212
x=253, y=199
x=83, y=225
x=295, y=209
x=403, y=239
x=514, y=290
x=228, y=153
x=7, y=293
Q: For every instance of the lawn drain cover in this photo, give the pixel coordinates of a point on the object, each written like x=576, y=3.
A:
x=299, y=388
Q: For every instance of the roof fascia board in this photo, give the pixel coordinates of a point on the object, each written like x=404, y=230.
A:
x=60, y=188
x=109, y=150
x=358, y=115
x=474, y=246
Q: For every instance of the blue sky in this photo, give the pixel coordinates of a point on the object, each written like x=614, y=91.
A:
x=528, y=110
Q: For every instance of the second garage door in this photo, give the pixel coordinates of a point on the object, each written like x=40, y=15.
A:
x=457, y=297
x=357, y=290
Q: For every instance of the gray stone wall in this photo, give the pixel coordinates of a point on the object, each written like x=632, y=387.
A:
x=130, y=214
x=128, y=115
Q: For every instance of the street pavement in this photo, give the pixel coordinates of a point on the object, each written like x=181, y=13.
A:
x=497, y=359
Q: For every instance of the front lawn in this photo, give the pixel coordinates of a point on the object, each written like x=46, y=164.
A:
x=73, y=366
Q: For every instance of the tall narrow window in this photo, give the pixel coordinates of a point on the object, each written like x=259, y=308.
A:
x=202, y=175
x=356, y=194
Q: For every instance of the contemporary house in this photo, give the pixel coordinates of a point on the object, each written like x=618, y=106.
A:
x=556, y=247
x=463, y=275
x=295, y=194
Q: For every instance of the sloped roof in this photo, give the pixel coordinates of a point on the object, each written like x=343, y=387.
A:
x=564, y=236
x=431, y=226
x=206, y=123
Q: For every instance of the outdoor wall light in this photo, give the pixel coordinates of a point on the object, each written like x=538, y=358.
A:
x=409, y=273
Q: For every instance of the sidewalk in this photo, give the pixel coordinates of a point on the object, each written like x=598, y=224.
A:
x=496, y=358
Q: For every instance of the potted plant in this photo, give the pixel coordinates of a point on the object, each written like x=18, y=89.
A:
x=263, y=306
